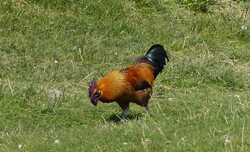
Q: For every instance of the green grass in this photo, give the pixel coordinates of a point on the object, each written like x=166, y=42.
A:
x=49, y=51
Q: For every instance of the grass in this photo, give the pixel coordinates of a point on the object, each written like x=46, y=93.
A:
x=51, y=50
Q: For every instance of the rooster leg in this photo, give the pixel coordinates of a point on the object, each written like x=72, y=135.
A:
x=147, y=108
x=144, y=97
x=124, y=114
x=145, y=104
x=125, y=107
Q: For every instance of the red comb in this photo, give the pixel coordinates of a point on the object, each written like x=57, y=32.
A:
x=92, y=86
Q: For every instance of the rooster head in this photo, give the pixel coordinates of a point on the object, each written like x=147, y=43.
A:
x=94, y=94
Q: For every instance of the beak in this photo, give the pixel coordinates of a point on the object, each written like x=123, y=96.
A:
x=94, y=101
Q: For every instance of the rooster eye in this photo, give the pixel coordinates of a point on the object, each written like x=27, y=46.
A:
x=98, y=93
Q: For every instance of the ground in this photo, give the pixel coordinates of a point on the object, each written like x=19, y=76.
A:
x=50, y=51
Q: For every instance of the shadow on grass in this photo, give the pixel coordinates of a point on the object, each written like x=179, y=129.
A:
x=116, y=118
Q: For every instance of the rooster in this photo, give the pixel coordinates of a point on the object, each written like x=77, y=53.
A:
x=131, y=84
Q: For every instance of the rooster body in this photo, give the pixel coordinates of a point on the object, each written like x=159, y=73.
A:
x=130, y=84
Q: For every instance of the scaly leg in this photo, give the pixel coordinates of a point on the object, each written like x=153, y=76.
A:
x=124, y=114
x=143, y=97
x=125, y=107
x=147, y=109
x=145, y=104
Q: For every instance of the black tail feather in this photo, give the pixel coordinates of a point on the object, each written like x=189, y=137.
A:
x=156, y=56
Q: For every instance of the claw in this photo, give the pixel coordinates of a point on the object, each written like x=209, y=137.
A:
x=147, y=109
x=123, y=120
